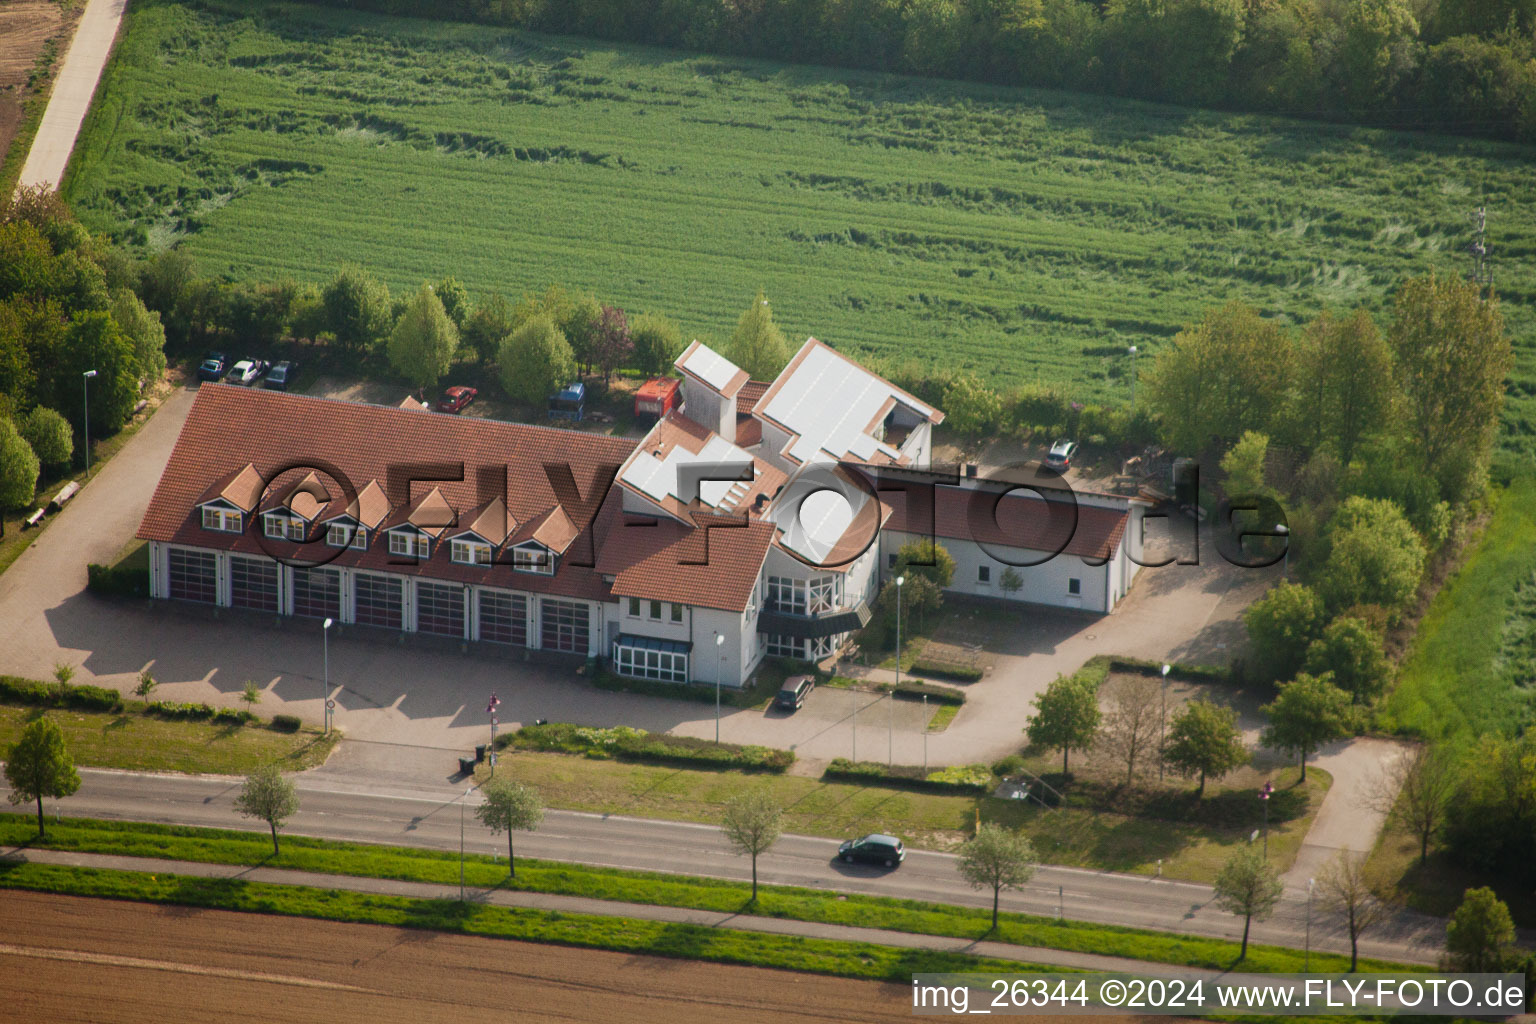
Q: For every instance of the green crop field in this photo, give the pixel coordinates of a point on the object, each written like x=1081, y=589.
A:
x=1023, y=234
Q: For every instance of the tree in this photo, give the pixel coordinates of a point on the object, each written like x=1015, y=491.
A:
x=997, y=858
x=251, y=693
x=48, y=435
x=757, y=345
x=422, y=345
x=972, y=408
x=1204, y=740
x=509, y=807
x=657, y=343
x=1131, y=719
x=1280, y=626
x=1066, y=716
x=926, y=558
x=1349, y=895
x=611, y=345
x=1244, y=466
x=455, y=300
x=1480, y=933
x=752, y=824
x=581, y=320
x=1309, y=712
x=357, y=309
x=535, y=361
x=269, y=796
x=1374, y=557
x=18, y=468
x=486, y=326
x=1247, y=885
x=1450, y=357
x=145, y=334
x=39, y=765
x=1415, y=792
x=1229, y=373
x=146, y=685
x=92, y=341
x=1346, y=389
x=1350, y=650
x=1377, y=49
x=1010, y=582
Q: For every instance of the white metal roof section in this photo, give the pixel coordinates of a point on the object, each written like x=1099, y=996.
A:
x=657, y=478
x=814, y=511
x=712, y=368
x=830, y=402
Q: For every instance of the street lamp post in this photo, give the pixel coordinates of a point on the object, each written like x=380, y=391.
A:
x=1264, y=794
x=1285, y=533
x=891, y=753
x=467, y=791
x=1307, y=957
x=1132, y=351
x=85, y=386
x=490, y=709
x=325, y=685
x=719, y=671
x=855, y=720
x=925, y=735
x=1162, y=725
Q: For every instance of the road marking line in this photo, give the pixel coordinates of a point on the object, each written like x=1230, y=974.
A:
x=113, y=960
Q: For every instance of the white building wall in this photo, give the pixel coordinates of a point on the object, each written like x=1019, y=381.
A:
x=159, y=568
x=1046, y=583
x=775, y=440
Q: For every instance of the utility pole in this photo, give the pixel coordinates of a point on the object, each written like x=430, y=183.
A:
x=1481, y=273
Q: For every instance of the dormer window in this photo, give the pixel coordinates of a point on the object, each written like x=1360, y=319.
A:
x=471, y=552
x=533, y=558
x=341, y=535
x=412, y=545
x=223, y=520
x=284, y=527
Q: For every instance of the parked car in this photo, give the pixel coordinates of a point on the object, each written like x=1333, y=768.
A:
x=456, y=398
x=213, y=366
x=569, y=403
x=245, y=372
x=1061, y=455
x=794, y=692
x=873, y=849
x=281, y=375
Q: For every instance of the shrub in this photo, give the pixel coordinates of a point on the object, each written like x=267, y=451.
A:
x=946, y=670
x=286, y=723
x=178, y=711
x=970, y=779
x=1010, y=765
x=917, y=691
x=625, y=743
x=53, y=695
x=116, y=581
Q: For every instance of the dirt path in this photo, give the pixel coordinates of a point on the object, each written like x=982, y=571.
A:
x=26, y=26
x=72, y=93
x=72, y=959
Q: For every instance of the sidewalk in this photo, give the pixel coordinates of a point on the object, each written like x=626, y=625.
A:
x=641, y=911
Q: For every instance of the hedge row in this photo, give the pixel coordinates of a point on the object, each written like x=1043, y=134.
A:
x=946, y=670
x=185, y=712
x=626, y=744
x=975, y=779
x=54, y=695
x=1176, y=670
x=116, y=581
x=917, y=691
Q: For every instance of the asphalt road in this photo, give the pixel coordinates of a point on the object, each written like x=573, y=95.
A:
x=406, y=817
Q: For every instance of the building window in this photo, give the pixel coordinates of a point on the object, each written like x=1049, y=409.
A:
x=412, y=545
x=317, y=593
x=253, y=583
x=1075, y=587
x=984, y=574
x=471, y=552
x=378, y=600
x=533, y=559
x=677, y=612
x=340, y=535
x=654, y=611
x=786, y=646
x=786, y=595
x=816, y=596
x=644, y=663
x=503, y=618
x=634, y=607
x=274, y=526
x=222, y=520
x=440, y=608
x=890, y=562
x=193, y=575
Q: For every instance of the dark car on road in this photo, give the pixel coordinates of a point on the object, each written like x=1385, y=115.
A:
x=794, y=692
x=213, y=366
x=456, y=398
x=281, y=375
x=873, y=849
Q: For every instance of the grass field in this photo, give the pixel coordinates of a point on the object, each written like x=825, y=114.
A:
x=1470, y=668
x=1024, y=234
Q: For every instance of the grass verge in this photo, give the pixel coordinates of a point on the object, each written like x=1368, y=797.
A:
x=138, y=742
x=220, y=846
x=652, y=938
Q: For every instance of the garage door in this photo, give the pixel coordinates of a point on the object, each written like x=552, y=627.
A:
x=439, y=608
x=194, y=575
x=378, y=601
x=563, y=625
x=317, y=593
x=253, y=583
x=503, y=618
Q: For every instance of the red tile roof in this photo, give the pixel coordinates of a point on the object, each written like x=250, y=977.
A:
x=1016, y=521
x=660, y=558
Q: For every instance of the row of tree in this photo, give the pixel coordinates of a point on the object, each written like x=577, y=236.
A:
x=1444, y=65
